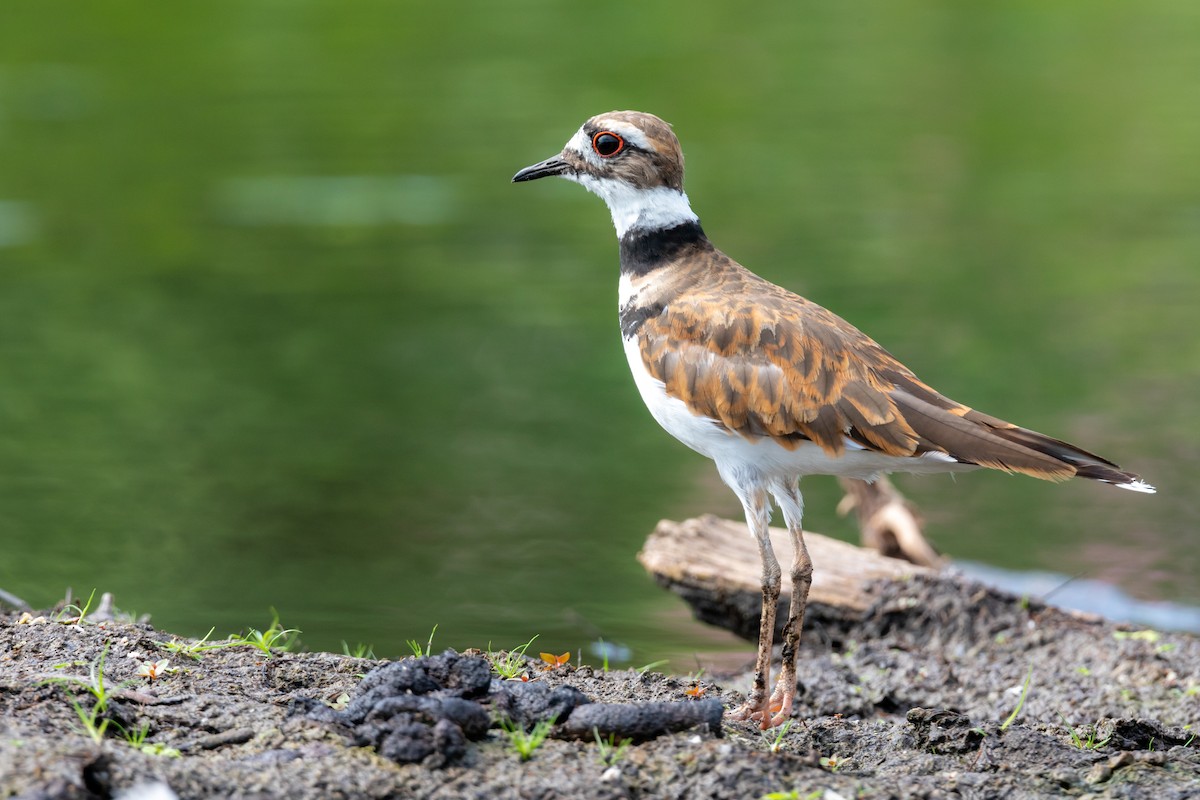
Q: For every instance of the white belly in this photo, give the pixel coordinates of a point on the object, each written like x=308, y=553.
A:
x=763, y=457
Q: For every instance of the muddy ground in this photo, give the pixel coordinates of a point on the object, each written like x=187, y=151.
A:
x=909, y=702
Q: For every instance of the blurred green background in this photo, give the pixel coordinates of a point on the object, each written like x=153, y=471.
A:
x=275, y=329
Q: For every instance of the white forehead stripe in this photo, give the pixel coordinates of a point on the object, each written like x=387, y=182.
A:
x=581, y=143
x=630, y=133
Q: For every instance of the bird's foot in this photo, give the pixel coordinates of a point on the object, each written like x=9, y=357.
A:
x=768, y=713
x=780, y=704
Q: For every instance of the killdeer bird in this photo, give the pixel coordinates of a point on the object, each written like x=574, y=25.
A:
x=769, y=385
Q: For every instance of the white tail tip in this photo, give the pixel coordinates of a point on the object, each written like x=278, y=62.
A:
x=1137, y=486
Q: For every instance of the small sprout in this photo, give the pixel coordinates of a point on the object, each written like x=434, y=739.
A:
x=552, y=661
x=95, y=724
x=832, y=763
x=510, y=664
x=359, y=650
x=137, y=740
x=611, y=749
x=136, y=737
x=275, y=636
x=152, y=670
x=72, y=614
x=1020, y=702
x=1084, y=744
x=1142, y=636
x=419, y=651
x=195, y=650
x=160, y=749
x=652, y=665
x=1083, y=671
x=775, y=743
x=526, y=742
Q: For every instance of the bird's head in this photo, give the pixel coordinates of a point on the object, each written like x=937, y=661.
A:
x=630, y=159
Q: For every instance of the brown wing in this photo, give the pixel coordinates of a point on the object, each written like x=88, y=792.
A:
x=776, y=366
x=771, y=363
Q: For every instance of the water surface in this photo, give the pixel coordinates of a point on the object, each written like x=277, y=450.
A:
x=275, y=329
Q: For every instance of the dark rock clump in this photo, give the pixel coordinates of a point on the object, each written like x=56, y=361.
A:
x=426, y=709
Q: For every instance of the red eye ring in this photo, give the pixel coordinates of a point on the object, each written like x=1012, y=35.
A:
x=607, y=144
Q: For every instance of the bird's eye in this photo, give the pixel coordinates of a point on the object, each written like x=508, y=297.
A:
x=607, y=144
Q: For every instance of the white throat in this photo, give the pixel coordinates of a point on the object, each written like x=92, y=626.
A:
x=649, y=209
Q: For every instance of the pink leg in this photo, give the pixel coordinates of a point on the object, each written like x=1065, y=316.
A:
x=784, y=694
x=758, y=517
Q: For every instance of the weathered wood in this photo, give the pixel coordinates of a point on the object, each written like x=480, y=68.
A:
x=713, y=565
x=889, y=523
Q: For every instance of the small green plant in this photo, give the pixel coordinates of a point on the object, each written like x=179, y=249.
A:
x=71, y=613
x=794, y=794
x=1090, y=742
x=154, y=670
x=160, y=749
x=526, y=742
x=1141, y=636
x=831, y=763
x=195, y=649
x=419, y=651
x=611, y=749
x=510, y=664
x=773, y=738
x=359, y=650
x=95, y=724
x=137, y=740
x=1020, y=702
x=652, y=665
x=274, y=637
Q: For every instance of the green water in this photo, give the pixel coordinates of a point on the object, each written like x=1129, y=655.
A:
x=275, y=329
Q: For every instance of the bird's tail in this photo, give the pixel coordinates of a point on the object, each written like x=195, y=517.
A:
x=976, y=438
x=1085, y=464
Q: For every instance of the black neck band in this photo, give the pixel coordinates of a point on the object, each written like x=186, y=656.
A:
x=644, y=251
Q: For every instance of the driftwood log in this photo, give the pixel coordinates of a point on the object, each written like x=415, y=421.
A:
x=888, y=522
x=713, y=564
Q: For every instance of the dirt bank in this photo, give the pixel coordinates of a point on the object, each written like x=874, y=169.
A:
x=909, y=703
